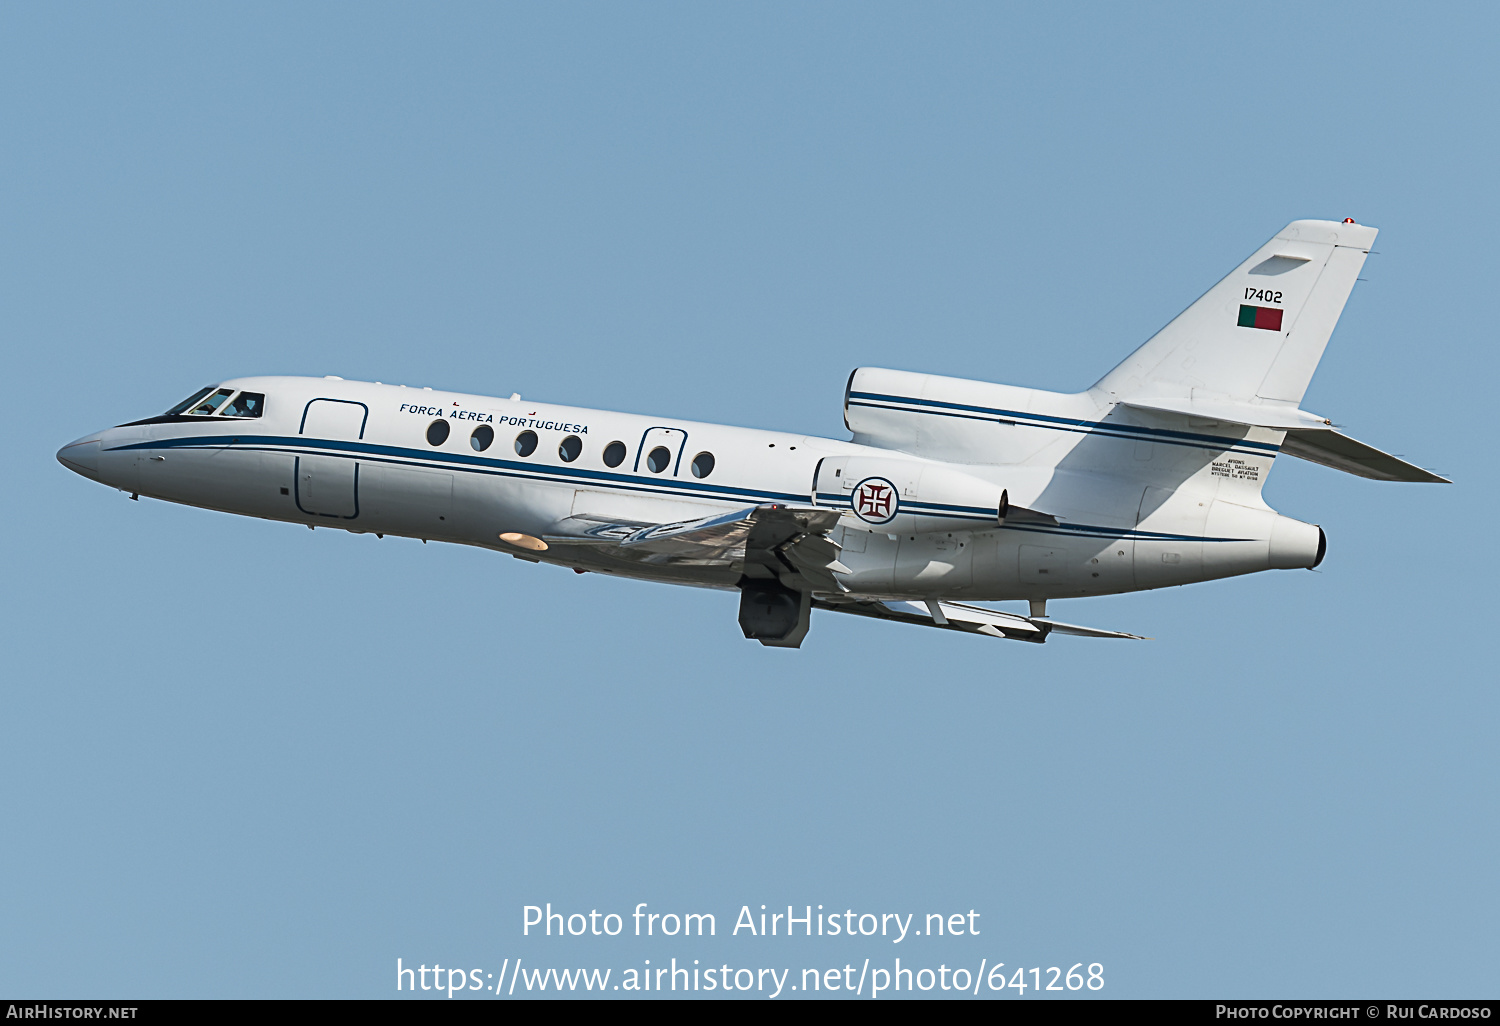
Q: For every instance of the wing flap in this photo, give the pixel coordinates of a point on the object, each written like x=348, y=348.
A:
x=792, y=543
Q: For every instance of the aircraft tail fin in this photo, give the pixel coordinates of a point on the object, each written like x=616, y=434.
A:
x=1257, y=335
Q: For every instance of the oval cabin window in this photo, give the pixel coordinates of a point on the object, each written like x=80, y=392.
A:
x=482, y=438
x=437, y=432
x=659, y=459
x=526, y=443
x=570, y=448
x=614, y=454
x=703, y=464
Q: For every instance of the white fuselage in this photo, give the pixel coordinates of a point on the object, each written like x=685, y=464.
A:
x=1135, y=506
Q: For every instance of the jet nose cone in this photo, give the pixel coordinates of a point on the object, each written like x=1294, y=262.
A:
x=82, y=456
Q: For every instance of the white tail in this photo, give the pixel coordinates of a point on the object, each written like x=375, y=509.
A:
x=1258, y=334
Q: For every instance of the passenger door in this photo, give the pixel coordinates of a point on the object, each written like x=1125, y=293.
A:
x=328, y=485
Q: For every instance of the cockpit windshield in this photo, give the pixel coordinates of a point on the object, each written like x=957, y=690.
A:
x=246, y=404
x=210, y=401
x=207, y=407
x=191, y=400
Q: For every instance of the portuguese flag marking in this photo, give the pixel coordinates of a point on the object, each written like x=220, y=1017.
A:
x=1267, y=317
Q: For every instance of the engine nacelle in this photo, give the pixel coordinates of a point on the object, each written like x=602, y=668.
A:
x=896, y=495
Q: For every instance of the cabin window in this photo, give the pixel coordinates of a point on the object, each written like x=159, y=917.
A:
x=437, y=432
x=189, y=401
x=614, y=454
x=526, y=443
x=482, y=438
x=703, y=464
x=246, y=404
x=659, y=459
x=212, y=403
x=570, y=448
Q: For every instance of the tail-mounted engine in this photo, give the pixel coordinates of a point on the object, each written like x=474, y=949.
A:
x=906, y=496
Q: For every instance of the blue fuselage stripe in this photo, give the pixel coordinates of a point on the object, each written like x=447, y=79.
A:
x=435, y=459
x=400, y=456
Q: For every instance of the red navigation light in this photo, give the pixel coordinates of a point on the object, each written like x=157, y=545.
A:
x=1348, y=220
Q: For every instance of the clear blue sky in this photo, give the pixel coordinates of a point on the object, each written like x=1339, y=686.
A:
x=245, y=759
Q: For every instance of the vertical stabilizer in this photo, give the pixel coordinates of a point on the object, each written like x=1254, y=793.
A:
x=1257, y=335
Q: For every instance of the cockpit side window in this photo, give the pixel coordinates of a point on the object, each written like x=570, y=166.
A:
x=212, y=403
x=189, y=401
x=246, y=404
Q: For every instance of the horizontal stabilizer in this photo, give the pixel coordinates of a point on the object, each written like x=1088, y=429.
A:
x=1331, y=449
x=1280, y=418
x=1308, y=436
x=958, y=616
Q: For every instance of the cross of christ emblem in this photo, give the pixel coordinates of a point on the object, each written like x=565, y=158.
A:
x=875, y=500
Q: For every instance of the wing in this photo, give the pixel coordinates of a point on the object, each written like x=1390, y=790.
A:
x=706, y=541
x=956, y=616
x=772, y=540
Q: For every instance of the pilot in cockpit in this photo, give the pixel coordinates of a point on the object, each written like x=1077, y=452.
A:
x=208, y=401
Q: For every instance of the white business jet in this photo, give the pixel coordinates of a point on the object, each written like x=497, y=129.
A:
x=950, y=491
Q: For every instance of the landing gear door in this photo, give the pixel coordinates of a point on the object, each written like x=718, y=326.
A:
x=661, y=451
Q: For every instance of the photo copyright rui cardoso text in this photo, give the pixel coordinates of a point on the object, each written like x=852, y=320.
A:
x=869, y=977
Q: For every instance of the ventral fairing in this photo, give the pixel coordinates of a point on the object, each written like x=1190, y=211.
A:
x=948, y=493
